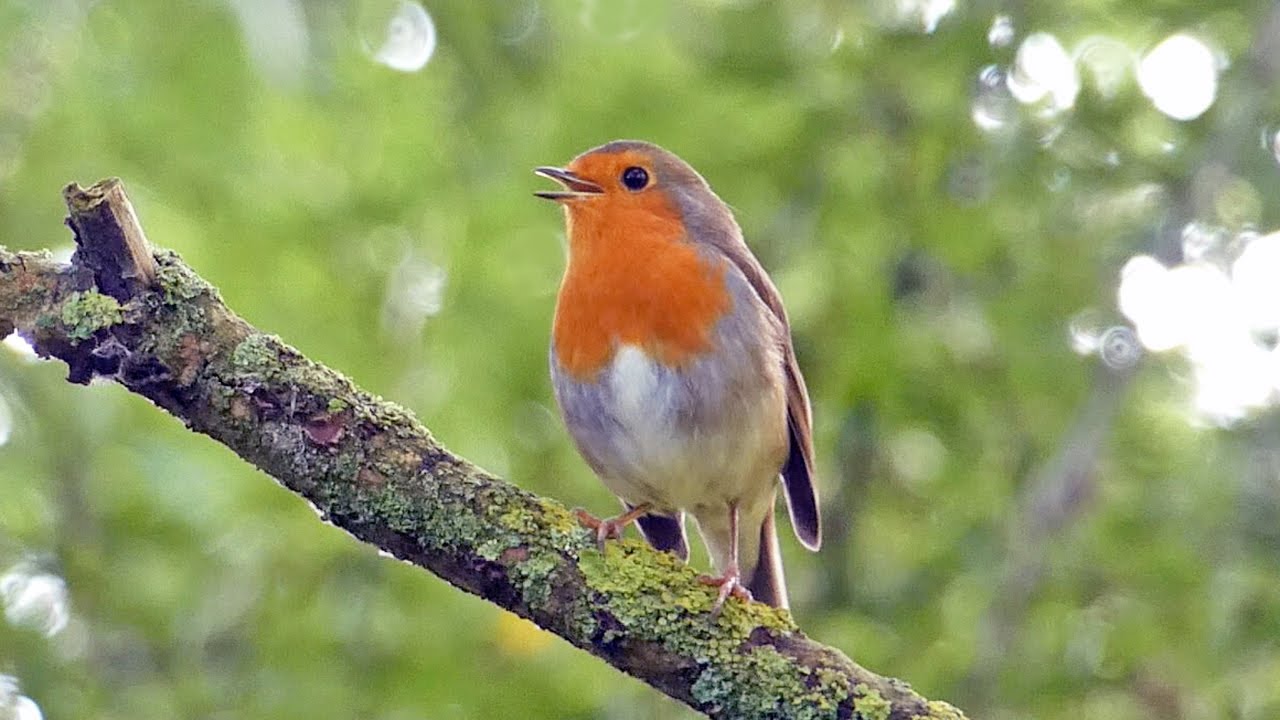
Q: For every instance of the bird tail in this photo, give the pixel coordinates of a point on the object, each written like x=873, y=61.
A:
x=767, y=583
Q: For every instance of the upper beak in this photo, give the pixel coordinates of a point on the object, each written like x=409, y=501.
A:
x=575, y=187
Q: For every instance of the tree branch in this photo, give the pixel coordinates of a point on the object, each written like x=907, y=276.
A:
x=145, y=320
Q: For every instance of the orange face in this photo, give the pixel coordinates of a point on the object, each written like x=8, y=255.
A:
x=610, y=191
x=633, y=276
x=626, y=175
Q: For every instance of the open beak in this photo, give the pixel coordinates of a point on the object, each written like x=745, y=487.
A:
x=574, y=186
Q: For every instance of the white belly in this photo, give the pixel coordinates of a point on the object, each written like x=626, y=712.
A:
x=690, y=438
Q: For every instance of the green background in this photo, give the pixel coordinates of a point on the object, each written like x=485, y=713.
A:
x=1012, y=526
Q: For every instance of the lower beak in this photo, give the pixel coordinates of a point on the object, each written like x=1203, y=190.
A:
x=575, y=187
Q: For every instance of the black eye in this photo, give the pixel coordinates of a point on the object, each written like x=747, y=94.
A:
x=635, y=178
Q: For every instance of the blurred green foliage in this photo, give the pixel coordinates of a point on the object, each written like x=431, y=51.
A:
x=1013, y=526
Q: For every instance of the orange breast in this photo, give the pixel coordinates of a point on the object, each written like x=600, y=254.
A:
x=632, y=279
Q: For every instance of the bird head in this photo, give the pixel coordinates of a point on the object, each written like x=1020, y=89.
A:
x=633, y=184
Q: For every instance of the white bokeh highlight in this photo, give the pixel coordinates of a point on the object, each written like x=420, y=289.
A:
x=13, y=704
x=1256, y=277
x=1001, y=32
x=1180, y=76
x=921, y=15
x=408, y=37
x=1222, y=316
x=19, y=346
x=1043, y=72
x=35, y=599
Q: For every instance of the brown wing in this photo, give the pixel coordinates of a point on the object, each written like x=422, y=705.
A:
x=798, y=470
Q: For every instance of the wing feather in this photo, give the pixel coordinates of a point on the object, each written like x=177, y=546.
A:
x=798, y=479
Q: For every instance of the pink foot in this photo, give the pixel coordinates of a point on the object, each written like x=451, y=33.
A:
x=608, y=528
x=730, y=584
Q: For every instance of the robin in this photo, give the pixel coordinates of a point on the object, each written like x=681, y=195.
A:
x=673, y=368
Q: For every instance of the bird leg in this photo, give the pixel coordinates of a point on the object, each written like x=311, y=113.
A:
x=609, y=528
x=730, y=583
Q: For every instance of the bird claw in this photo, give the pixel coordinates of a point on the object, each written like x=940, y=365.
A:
x=608, y=528
x=604, y=528
x=730, y=584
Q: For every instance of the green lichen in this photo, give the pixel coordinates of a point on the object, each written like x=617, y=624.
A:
x=561, y=526
x=656, y=597
x=543, y=536
x=337, y=405
x=649, y=590
x=719, y=687
x=533, y=577
x=517, y=520
x=639, y=591
x=449, y=519
x=85, y=313
x=451, y=528
x=550, y=520
x=178, y=284
x=830, y=683
x=869, y=704
x=492, y=549
x=761, y=684
x=256, y=354
x=398, y=509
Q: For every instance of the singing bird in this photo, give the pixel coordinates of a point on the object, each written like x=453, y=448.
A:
x=672, y=364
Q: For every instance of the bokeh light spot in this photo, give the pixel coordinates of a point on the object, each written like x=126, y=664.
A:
x=1255, y=274
x=1119, y=347
x=35, y=599
x=915, y=15
x=1043, y=72
x=1180, y=76
x=1144, y=293
x=19, y=346
x=415, y=292
x=1085, y=330
x=1001, y=31
x=406, y=35
x=993, y=108
x=929, y=12
x=13, y=704
x=1224, y=323
x=1201, y=240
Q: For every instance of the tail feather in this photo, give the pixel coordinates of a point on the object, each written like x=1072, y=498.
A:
x=767, y=583
x=664, y=533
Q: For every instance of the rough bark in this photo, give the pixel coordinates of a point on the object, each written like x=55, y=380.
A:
x=145, y=320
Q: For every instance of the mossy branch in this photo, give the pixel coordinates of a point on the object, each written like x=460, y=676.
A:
x=145, y=320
